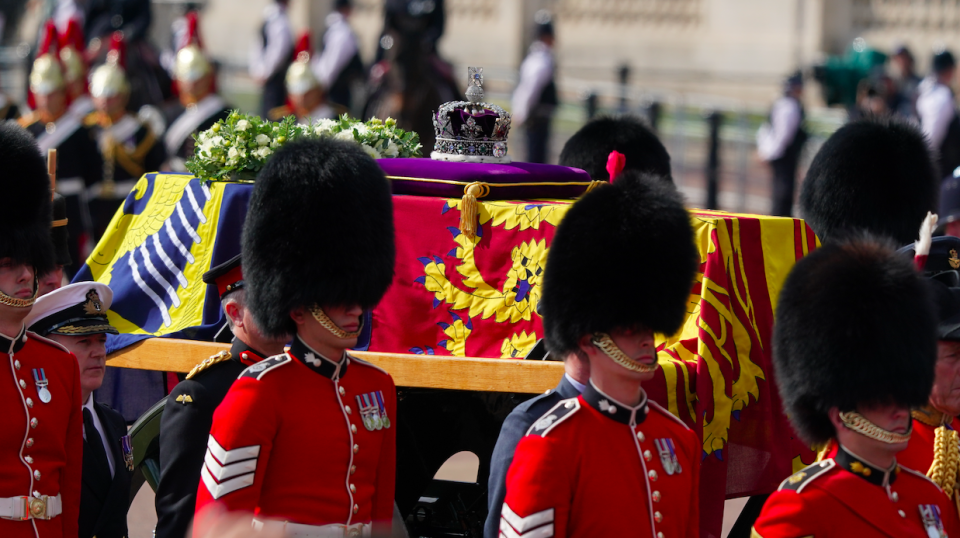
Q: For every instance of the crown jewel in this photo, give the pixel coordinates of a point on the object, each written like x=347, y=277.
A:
x=471, y=131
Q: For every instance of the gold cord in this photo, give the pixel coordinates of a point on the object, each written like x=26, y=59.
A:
x=606, y=344
x=21, y=303
x=328, y=324
x=946, y=460
x=856, y=422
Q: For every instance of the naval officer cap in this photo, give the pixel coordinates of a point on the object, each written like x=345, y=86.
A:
x=79, y=309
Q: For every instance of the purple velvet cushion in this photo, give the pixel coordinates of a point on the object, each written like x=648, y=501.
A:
x=537, y=180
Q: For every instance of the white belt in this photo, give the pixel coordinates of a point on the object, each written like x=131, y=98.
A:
x=23, y=508
x=296, y=530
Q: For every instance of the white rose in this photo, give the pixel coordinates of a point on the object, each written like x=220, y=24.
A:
x=262, y=152
x=209, y=143
x=324, y=127
x=362, y=129
x=242, y=125
x=392, y=150
x=370, y=151
x=263, y=140
x=233, y=156
x=345, y=135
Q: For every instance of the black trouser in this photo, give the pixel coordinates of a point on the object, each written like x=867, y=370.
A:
x=538, y=138
x=274, y=93
x=784, y=183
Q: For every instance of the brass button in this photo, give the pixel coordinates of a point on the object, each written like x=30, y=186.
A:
x=353, y=488
x=656, y=496
x=36, y=475
x=653, y=476
x=34, y=422
x=659, y=535
x=356, y=448
x=16, y=364
x=30, y=403
x=356, y=508
x=28, y=459
x=895, y=496
x=658, y=517
x=29, y=442
x=641, y=437
x=353, y=428
x=347, y=409
x=647, y=455
x=902, y=514
x=353, y=469
x=342, y=391
x=23, y=384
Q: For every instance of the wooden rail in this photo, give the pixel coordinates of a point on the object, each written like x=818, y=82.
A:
x=422, y=371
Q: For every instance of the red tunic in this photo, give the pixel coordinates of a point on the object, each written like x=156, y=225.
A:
x=41, y=449
x=919, y=452
x=594, y=467
x=845, y=496
x=290, y=442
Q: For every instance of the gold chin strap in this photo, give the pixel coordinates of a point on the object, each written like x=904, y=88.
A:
x=609, y=348
x=21, y=303
x=328, y=324
x=856, y=422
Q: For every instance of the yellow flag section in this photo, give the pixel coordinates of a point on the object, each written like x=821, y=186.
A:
x=155, y=250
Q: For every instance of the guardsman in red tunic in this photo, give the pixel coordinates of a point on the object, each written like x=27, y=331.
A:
x=934, y=448
x=41, y=447
x=854, y=351
x=306, y=440
x=610, y=462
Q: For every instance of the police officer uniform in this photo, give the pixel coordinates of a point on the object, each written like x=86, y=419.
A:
x=78, y=310
x=41, y=447
x=938, y=114
x=780, y=142
x=592, y=465
x=535, y=99
x=188, y=415
x=854, y=327
x=305, y=441
x=270, y=60
x=339, y=65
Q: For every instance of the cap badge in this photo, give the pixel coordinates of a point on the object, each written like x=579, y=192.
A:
x=126, y=446
x=607, y=407
x=184, y=399
x=954, y=260
x=668, y=456
x=93, y=306
x=40, y=377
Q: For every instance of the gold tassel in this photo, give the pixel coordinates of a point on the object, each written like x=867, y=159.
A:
x=946, y=460
x=468, y=207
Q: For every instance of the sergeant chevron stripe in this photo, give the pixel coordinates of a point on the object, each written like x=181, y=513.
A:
x=538, y=525
x=225, y=471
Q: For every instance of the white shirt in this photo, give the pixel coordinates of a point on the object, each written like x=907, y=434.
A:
x=535, y=72
x=272, y=56
x=339, y=46
x=576, y=384
x=99, y=427
x=936, y=109
x=774, y=137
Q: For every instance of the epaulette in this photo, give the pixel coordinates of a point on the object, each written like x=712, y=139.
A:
x=557, y=414
x=261, y=368
x=797, y=481
x=208, y=362
x=278, y=113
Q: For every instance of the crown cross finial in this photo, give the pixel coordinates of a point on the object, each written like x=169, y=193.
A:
x=475, y=84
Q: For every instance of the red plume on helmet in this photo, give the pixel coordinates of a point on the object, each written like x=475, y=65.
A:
x=192, y=34
x=117, y=53
x=73, y=36
x=302, y=46
x=49, y=45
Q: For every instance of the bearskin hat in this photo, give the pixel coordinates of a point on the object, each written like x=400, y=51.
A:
x=26, y=218
x=873, y=174
x=319, y=231
x=856, y=325
x=623, y=255
x=589, y=148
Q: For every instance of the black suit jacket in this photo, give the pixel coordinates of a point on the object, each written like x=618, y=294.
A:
x=184, y=429
x=515, y=427
x=107, y=517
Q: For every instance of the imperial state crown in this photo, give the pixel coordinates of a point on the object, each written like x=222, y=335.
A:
x=471, y=131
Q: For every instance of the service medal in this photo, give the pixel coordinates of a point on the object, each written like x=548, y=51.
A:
x=126, y=446
x=383, y=410
x=664, y=451
x=40, y=377
x=930, y=514
x=375, y=411
x=363, y=404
